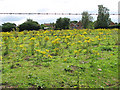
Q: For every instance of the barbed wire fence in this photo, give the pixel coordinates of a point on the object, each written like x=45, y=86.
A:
x=49, y=14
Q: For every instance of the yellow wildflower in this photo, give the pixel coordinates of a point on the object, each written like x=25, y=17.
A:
x=25, y=38
x=79, y=42
x=72, y=44
x=85, y=33
x=79, y=50
x=1, y=57
x=47, y=50
x=84, y=51
x=21, y=46
x=50, y=56
x=55, y=42
x=97, y=53
x=75, y=51
x=100, y=33
x=44, y=56
x=31, y=43
x=32, y=38
x=65, y=59
x=99, y=39
x=43, y=52
x=46, y=38
x=88, y=41
x=67, y=36
x=37, y=50
x=68, y=43
x=5, y=38
x=111, y=54
x=87, y=38
x=85, y=41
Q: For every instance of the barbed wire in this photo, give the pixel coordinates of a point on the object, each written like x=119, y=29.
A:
x=48, y=14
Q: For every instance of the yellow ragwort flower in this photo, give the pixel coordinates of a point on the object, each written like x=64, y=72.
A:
x=98, y=54
x=47, y=50
x=85, y=33
x=65, y=60
x=79, y=42
x=46, y=38
x=43, y=52
x=99, y=39
x=75, y=51
x=87, y=38
x=50, y=56
x=37, y=50
x=85, y=41
x=32, y=38
x=21, y=46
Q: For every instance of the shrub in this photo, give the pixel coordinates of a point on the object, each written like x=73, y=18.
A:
x=29, y=25
x=7, y=27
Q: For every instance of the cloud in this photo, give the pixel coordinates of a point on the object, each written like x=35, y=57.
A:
x=11, y=18
x=119, y=12
x=43, y=10
x=53, y=6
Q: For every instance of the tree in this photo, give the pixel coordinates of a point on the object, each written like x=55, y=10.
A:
x=0, y=28
x=62, y=23
x=29, y=25
x=86, y=19
x=7, y=27
x=52, y=25
x=74, y=22
x=103, y=17
x=42, y=26
x=91, y=25
x=59, y=23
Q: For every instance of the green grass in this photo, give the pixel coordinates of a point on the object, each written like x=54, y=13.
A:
x=95, y=66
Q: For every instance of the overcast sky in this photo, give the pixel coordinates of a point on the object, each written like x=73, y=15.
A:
x=53, y=6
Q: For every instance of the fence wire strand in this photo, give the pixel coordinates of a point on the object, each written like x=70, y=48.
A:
x=48, y=14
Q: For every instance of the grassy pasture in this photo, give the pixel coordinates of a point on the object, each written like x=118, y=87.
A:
x=60, y=59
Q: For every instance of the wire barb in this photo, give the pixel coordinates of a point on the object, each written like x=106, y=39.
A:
x=49, y=14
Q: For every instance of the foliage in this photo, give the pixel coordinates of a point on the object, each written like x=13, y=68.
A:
x=0, y=28
x=103, y=17
x=86, y=19
x=91, y=25
x=74, y=22
x=62, y=23
x=114, y=26
x=7, y=27
x=42, y=26
x=29, y=25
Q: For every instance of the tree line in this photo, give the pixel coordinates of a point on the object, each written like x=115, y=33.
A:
x=102, y=21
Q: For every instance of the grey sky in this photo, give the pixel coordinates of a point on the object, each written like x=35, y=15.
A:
x=53, y=6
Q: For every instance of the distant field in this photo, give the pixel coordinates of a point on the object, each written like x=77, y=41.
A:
x=60, y=59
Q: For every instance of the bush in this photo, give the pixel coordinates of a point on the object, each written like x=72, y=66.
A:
x=7, y=27
x=0, y=28
x=29, y=25
x=62, y=23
